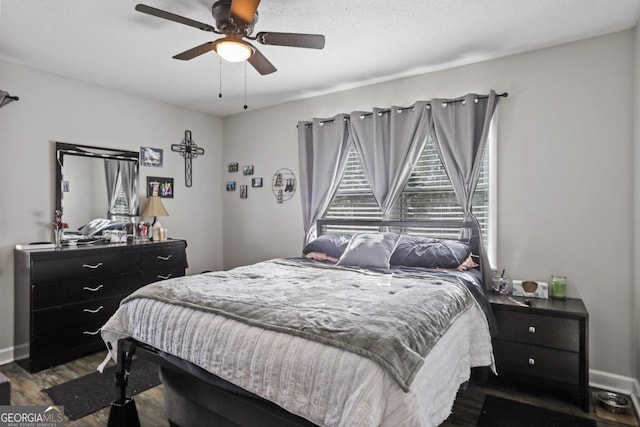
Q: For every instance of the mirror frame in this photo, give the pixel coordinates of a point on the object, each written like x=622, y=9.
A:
x=65, y=149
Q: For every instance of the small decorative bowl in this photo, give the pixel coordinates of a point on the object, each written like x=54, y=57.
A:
x=613, y=402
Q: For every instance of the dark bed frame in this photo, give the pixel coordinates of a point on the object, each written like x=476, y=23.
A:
x=195, y=397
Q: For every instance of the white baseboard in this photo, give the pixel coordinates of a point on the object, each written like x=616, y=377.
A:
x=6, y=355
x=617, y=384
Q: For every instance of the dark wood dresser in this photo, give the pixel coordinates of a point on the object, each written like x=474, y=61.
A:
x=63, y=296
x=544, y=346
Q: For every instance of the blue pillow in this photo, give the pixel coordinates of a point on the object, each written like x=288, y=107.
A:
x=329, y=244
x=417, y=251
x=369, y=250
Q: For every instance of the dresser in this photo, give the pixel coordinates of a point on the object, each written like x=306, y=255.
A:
x=544, y=345
x=63, y=296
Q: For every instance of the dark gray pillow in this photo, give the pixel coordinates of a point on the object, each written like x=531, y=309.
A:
x=416, y=251
x=329, y=244
x=369, y=250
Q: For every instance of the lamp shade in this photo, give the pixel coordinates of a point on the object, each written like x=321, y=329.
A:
x=154, y=207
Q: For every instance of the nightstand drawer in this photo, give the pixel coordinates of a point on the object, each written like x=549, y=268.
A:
x=513, y=359
x=548, y=331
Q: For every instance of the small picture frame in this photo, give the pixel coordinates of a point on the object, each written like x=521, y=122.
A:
x=256, y=182
x=247, y=170
x=151, y=157
x=165, y=186
x=243, y=191
x=233, y=167
x=231, y=186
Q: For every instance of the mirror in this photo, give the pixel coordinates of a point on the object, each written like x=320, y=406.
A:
x=96, y=188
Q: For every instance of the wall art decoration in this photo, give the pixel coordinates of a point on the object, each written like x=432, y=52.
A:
x=231, y=186
x=165, y=186
x=283, y=185
x=247, y=170
x=256, y=182
x=243, y=191
x=233, y=167
x=151, y=157
x=189, y=150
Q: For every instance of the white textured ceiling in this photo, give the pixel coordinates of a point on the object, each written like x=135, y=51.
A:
x=108, y=43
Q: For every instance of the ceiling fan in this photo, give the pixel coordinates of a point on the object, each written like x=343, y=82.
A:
x=235, y=20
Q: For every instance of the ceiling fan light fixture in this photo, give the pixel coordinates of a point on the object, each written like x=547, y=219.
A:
x=233, y=50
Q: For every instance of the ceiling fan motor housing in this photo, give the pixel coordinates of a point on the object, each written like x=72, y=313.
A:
x=221, y=11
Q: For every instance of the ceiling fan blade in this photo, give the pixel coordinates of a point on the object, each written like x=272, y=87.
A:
x=196, y=51
x=173, y=17
x=311, y=41
x=244, y=10
x=261, y=63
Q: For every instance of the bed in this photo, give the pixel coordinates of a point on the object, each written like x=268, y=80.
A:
x=357, y=332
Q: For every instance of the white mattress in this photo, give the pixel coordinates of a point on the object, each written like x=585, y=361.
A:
x=324, y=384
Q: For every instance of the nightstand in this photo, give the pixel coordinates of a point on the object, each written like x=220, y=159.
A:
x=545, y=344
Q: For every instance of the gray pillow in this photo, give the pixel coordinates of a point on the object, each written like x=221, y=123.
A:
x=417, y=251
x=329, y=244
x=370, y=250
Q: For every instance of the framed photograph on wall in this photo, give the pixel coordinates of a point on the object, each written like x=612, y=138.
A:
x=256, y=182
x=231, y=186
x=247, y=170
x=243, y=191
x=233, y=167
x=164, y=185
x=151, y=157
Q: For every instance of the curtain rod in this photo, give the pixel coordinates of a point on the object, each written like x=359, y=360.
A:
x=387, y=110
x=4, y=100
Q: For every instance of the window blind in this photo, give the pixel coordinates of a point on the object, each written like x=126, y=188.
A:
x=428, y=194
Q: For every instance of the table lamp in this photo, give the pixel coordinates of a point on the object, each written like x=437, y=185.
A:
x=155, y=208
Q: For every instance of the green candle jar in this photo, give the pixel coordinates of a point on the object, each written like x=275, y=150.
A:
x=559, y=287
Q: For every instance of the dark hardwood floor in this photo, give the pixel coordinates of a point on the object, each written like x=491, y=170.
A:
x=26, y=390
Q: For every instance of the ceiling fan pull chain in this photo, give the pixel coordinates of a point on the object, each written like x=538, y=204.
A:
x=245, y=85
x=220, y=91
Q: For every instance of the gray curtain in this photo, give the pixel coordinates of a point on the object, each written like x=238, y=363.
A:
x=389, y=143
x=112, y=178
x=461, y=130
x=323, y=148
x=129, y=173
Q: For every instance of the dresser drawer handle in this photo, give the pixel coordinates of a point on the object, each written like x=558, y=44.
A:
x=91, y=333
x=532, y=361
x=93, y=267
x=164, y=258
x=88, y=310
x=160, y=276
x=532, y=329
x=86, y=288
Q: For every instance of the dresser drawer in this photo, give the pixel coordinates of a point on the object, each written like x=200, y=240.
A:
x=555, y=332
x=514, y=359
x=166, y=256
x=90, y=314
x=161, y=274
x=88, y=265
x=54, y=294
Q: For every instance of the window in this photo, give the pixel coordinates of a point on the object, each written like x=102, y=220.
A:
x=427, y=195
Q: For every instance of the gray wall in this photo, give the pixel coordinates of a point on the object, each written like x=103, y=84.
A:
x=565, y=174
x=52, y=108
x=636, y=322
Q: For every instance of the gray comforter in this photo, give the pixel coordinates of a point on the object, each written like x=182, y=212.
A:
x=394, y=319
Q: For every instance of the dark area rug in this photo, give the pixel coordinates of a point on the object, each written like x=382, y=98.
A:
x=499, y=412
x=85, y=395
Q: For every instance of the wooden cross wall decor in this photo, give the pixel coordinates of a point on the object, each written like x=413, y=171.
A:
x=189, y=150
